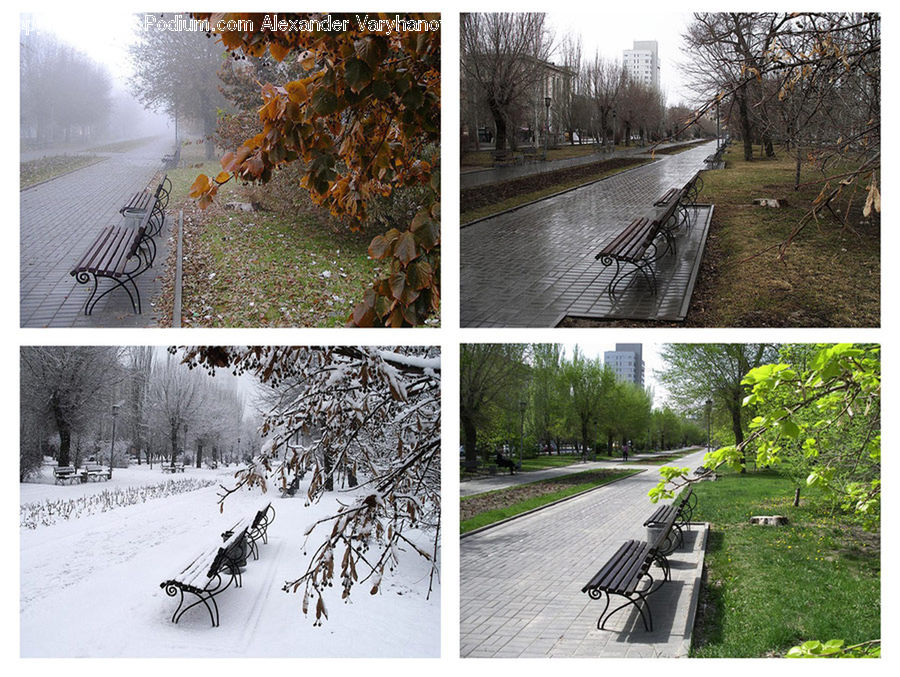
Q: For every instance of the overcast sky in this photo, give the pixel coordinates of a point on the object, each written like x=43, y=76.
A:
x=106, y=41
x=611, y=32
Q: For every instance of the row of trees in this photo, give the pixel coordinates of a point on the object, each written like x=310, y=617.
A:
x=71, y=396
x=810, y=82
x=558, y=400
x=64, y=95
x=507, y=71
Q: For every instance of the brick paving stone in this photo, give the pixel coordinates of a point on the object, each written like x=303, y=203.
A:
x=59, y=220
x=532, y=569
x=535, y=265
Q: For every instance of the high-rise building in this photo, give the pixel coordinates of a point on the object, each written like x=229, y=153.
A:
x=642, y=62
x=627, y=362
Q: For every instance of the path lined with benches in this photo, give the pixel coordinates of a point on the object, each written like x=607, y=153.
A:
x=59, y=221
x=521, y=582
x=536, y=265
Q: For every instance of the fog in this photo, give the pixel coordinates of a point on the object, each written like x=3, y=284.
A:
x=75, y=74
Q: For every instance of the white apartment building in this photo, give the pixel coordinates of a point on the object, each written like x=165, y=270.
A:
x=626, y=362
x=642, y=62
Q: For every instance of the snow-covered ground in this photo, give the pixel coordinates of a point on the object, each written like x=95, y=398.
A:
x=90, y=586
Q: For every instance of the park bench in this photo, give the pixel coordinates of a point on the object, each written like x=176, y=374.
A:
x=173, y=468
x=96, y=472
x=65, y=473
x=627, y=574
x=171, y=160
x=257, y=529
x=677, y=516
x=716, y=158
x=636, y=246
x=119, y=253
x=506, y=463
x=209, y=574
x=291, y=489
x=137, y=205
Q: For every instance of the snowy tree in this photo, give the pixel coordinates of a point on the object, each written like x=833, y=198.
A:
x=66, y=386
x=178, y=397
x=374, y=410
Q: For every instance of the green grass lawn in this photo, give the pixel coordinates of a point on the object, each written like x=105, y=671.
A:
x=663, y=457
x=495, y=506
x=266, y=269
x=543, y=462
x=44, y=169
x=770, y=588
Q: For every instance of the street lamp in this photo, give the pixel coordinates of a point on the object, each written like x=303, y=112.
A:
x=112, y=445
x=717, y=125
x=708, y=416
x=184, y=448
x=547, y=101
x=522, y=405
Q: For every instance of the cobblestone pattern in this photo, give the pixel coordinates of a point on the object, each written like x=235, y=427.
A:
x=519, y=268
x=520, y=583
x=59, y=220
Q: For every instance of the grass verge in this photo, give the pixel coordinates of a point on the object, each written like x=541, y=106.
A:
x=770, y=588
x=122, y=146
x=46, y=168
x=484, y=158
x=265, y=269
x=493, y=506
x=663, y=457
x=477, y=203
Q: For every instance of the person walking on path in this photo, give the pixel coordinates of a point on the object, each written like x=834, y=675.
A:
x=625, y=450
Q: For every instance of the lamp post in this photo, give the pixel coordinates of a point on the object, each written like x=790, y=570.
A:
x=522, y=405
x=547, y=101
x=717, y=125
x=708, y=416
x=112, y=445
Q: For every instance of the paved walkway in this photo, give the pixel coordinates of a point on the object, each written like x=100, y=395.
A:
x=534, y=266
x=59, y=220
x=492, y=175
x=520, y=582
x=479, y=485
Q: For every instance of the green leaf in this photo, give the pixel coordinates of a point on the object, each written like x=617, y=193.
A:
x=325, y=102
x=358, y=74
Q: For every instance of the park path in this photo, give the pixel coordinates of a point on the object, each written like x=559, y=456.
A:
x=533, y=266
x=520, y=582
x=59, y=220
x=492, y=175
x=502, y=480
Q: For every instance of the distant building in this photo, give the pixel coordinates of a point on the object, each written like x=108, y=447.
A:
x=642, y=62
x=627, y=362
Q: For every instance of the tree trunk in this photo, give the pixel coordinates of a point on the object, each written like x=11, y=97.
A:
x=500, y=128
x=327, y=468
x=199, y=454
x=173, y=434
x=796, y=497
x=65, y=432
x=746, y=130
x=797, y=169
x=470, y=439
x=738, y=430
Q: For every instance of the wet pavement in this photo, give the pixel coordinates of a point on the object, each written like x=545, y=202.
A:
x=534, y=266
